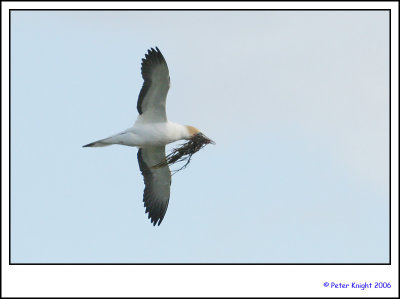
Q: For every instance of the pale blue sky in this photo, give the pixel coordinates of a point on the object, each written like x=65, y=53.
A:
x=296, y=101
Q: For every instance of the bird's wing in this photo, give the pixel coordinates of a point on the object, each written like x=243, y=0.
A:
x=153, y=95
x=157, y=182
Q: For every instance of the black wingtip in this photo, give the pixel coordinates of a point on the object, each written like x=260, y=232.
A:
x=155, y=49
x=154, y=219
x=157, y=222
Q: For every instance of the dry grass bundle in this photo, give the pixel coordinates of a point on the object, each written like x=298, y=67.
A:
x=185, y=152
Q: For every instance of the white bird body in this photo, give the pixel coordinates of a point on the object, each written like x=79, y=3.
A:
x=148, y=134
x=151, y=132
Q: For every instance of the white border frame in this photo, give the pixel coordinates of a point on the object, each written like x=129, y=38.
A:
x=202, y=280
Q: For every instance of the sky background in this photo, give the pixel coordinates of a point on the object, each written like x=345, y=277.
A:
x=297, y=102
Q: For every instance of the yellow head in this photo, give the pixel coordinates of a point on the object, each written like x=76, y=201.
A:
x=193, y=131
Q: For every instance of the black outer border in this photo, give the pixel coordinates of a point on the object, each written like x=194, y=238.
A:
x=290, y=264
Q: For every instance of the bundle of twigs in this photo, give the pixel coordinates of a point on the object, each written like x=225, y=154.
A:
x=184, y=152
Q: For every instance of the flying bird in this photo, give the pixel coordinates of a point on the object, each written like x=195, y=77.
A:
x=151, y=132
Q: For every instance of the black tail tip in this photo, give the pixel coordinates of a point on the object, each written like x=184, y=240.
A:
x=88, y=145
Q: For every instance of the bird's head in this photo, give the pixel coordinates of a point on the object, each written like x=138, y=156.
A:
x=184, y=152
x=194, y=132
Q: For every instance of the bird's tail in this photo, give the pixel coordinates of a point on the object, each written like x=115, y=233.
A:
x=120, y=138
x=98, y=143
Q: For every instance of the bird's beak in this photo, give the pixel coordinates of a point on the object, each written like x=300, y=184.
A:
x=208, y=140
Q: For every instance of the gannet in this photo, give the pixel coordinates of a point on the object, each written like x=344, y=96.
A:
x=151, y=132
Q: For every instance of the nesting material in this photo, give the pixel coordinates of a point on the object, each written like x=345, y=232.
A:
x=184, y=152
